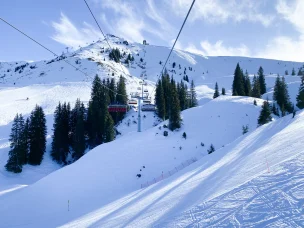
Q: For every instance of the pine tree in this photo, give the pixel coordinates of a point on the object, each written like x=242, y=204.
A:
x=255, y=102
x=265, y=114
x=174, y=117
x=286, y=72
x=16, y=153
x=193, y=98
x=274, y=109
x=115, y=55
x=293, y=73
x=57, y=150
x=64, y=126
x=25, y=141
x=255, y=87
x=247, y=84
x=238, y=82
x=97, y=112
x=300, y=96
x=211, y=149
x=216, y=91
x=109, y=129
x=121, y=98
x=223, y=91
x=301, y=71
x=281, y=95
x=37, y=136
x=182, y=95
x=160, y=100
x=78, y=130
x=112, y=91
x=167, y=92
x=262, y=82
x=186, y=78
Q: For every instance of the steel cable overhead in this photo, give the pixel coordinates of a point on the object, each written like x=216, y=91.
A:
x=35, y=41
x=175, y=41
x=122, y=70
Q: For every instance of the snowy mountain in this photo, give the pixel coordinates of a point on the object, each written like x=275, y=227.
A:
x=102, y=188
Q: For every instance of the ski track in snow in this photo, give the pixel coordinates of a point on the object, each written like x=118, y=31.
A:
x=226, y=189
x=274, y=199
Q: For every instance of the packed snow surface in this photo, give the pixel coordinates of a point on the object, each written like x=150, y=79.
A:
x=254, y=179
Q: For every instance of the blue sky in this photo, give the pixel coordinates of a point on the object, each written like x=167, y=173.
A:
x=256, y=28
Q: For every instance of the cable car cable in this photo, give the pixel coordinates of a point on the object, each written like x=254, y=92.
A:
x=35, y=41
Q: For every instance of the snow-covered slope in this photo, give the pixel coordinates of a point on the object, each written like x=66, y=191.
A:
x=109, y=171
x=105, y=178
x=102, y=187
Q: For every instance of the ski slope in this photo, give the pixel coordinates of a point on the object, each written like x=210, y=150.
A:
x=102, y=188
x=231, y=187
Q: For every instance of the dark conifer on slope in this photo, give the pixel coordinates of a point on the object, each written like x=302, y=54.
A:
x=98, y=113
x=57, y=150
x=109, y=129
x=211, y=149
x=174, y=117
x=112, y=91
x=281, y=95
x=238, y=82
x=193, y=99
x=255, y=92
x=293, y=72
x=223, y=91
x=37, y=136
x=300, y=96
x=216, y=91
x=247, y=84
x=121, y=98
x=265, y=114
x=160, y=100
x=25, y=141
x=16, y=153
x=78, y=143
x=182, y=95
x=261, y=78
x=167, y=92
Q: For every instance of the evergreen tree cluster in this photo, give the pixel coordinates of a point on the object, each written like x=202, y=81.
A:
x=79, y=128
x=216, y=91
x=281, y=96
x=129, y=59
x=69, y=132
x=27, y=140
x=301, y=71
x=242, y=85
x=265, y=114
x=171, y=98
x=300, y=96
x=115, y=55
x=185, y=78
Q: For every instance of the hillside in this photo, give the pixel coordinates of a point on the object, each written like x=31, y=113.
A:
x=102, y=187
x=105, y=179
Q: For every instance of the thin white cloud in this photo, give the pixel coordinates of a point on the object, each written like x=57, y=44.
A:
x=126, y=23
x=156, y=15
x=193, y=49
x=283, y=47
x=216, y=49
x=222, y=11
x=129, y=20
x=293, y=11
x=68, y=34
